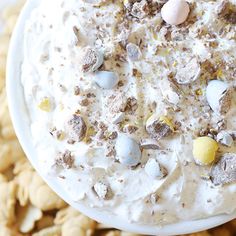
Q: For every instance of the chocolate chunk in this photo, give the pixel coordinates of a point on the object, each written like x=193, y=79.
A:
x=65, y=160
x=224, y=171
x=76, y=128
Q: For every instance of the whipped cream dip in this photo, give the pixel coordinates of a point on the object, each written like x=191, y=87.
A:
x=135, y=114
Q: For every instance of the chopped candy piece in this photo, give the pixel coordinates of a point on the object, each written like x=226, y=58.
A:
x=45, y=105
x=92, y=60
x=224, y=171
x=159, y=127
x=219, y=96
x=76, y=128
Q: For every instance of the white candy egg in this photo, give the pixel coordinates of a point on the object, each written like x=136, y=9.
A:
x=214, y=92
x=153, y=169
x=128, y=151
x=106, y=79
x=175, y=12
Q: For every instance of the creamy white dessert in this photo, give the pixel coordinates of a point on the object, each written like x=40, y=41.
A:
x=132, y=104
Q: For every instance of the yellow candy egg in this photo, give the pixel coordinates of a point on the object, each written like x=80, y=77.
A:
x=204, y=150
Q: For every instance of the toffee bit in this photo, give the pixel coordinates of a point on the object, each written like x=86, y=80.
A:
x=65, y=160
x=76, y=128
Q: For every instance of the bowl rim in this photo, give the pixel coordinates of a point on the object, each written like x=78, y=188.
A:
x=21, y=124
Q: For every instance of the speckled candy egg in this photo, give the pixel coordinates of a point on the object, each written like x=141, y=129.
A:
x=106, y=79
x=175, y=12
x=127, y=150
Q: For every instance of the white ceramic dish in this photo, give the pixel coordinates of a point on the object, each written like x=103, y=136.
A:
x=21, y=124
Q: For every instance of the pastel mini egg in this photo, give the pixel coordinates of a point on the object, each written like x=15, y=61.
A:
x=204, y=150
x=175, y=12
x=128, y=151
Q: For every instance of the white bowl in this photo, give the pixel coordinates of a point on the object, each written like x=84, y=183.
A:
x=21, y=124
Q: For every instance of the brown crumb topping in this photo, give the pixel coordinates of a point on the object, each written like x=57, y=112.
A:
x=65, y=160
x=76, y=128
